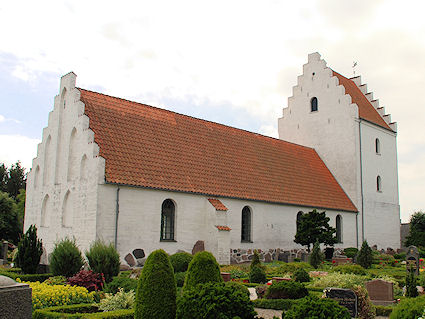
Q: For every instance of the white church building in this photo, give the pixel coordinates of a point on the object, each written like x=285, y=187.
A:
x=145, y=177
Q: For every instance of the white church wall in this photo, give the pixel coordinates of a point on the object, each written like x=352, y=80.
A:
x=382, y=211
x=69, y=193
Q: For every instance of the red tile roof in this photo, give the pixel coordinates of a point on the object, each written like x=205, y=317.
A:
x=155, y=148
x=218, y=205
x=366, y=109
x=226, y=228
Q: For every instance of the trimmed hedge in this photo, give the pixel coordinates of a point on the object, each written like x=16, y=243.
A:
x=202, y=269
x=81, y=311
x=286, y=290
x=277, y=304
x=25, y=277
x=384, y=311
x=318, y=308
x=409, y=308
x=180, y=261
x=156, y=292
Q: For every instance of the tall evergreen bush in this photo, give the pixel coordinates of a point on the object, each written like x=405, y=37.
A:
x=411, y=283
x=66, y=259
x=255, y=262
x=156, y=291
x=316, y=257
x=104, y=259
x=202, y=269
x=364, y=257
x=30, y=249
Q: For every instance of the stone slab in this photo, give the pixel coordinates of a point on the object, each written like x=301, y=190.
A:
x=345, y=297
x=380, y=290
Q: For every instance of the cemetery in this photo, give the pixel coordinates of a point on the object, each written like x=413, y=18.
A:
x=93, y=284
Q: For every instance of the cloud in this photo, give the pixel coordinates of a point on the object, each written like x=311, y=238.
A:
x=18, y=148
x=4, y=119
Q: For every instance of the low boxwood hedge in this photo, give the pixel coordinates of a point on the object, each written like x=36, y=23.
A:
x=277, y=304
x=88, y=311
x=25, y=277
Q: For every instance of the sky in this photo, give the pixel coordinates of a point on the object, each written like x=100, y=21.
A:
x=232, y=62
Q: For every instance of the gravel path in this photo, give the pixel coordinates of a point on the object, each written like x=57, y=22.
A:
x=268, y=313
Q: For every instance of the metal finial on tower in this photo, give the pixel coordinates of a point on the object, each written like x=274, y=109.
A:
x=354, y=70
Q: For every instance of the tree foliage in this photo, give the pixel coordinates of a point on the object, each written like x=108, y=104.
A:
x=16, y=179
x=416, y=235
x=314, y=226
x=30, y=249
x=10, y=227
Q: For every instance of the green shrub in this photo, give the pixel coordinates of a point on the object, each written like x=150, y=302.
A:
x=317, y=256
x=104, y=259
x=56, y=280
x=409, y=308
x=338, y=280
x=30, y=249
x=364, y=257
x=351, y=252
x=121, y=282
x=202, y=269
x=286, y=290
x=365, y=308
x=350, y=269
x=384, y=260
x=214, y=300
x=300, y=275
x=180, y=276
x=121, y=300
x=238, y=286
x=411, y=283
x=277, y=304
x=317, y=308
x=257, y=275
x=156, y=292
x=238, y=273
x=66, y=259
x=401, y=255
x=81, y=311
x=180, y=261
x=282, y=268
x=384, y=311
x=255, y=262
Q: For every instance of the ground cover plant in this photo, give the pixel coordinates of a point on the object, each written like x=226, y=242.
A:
x=66, y=259
x=120, y=300
x=338, y=280
x=104, y=259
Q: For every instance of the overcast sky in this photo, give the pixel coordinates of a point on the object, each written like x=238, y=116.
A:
x=232, y=62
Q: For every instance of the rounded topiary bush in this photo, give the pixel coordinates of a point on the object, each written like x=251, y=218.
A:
x=286, y=290
x=180, y=261
x=257, y=275
x=214, y=300
x=202, y=269
x=104, y=259
x=156, y=292
x=66, y=259
x=318, y=308
x=300, y=275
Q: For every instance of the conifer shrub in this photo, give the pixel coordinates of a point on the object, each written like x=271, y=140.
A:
x=255, y=262
x=300, y=275
x=364, y=257
x=156, y=291
x=409, y=308
x=104, y=259
x=30, y=249
x=257, y=275
x=202, y=269
x=286, y=290
x=180, y=261
x=66, y=259
x=316, y=257
x=180, y=276
x=214, y=300
x=121, y=282
x=238, y=286
x=411, y=283
x=318, y=308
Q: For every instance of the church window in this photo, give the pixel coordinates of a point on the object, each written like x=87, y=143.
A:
x=83, y=168
x=378, y=184
x=246, y=225
x=36, y=177
x=47, y=161
x=67, y=210
x=377, y=146
x=299, y=215
x=72, y=158
x=45, y=212
x=314, y=104
x=167, y=220
x=338, y=224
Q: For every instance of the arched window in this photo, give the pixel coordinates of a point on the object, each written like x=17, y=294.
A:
x=72, y=159
x=45, y=212
x=377, y=146
x=47, y=165
x=314, y=104
x=36, y=177
x=167, y=220
x=338, y=224
x=299, y=215
x=246, y=225
x=67, y=210
x=378, y=184
x=83, y=168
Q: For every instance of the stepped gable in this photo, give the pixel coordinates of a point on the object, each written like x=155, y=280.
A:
x=366, y=110
x=154, y=148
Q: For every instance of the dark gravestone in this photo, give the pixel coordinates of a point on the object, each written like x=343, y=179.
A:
x=139, y=253
x=199, y=246
x=3, y=252
x=412, y=260
x=380, y=292
x=268, y=258
x=15, y=299
x=345, y=297
x=130, y=260
x=283, y=256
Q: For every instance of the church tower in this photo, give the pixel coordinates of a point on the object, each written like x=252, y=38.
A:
x=357, y=141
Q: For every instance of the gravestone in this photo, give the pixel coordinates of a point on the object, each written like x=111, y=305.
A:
x=139, y=253
x=283, y=256
x=130, y=260
x=412, y=260
x=3, y=252
x=199, y=246
x=380, y=292
x=15, y=299
x=268, y=258
x=345, y=297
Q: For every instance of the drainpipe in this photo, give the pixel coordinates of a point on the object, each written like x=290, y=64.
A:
x=361, y=177
x=117, y=211
x=357, y=230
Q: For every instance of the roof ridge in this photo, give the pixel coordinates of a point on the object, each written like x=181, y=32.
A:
x=197, y=118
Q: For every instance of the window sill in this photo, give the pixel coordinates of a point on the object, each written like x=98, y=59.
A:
x=246, y=241
x=168, y=240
